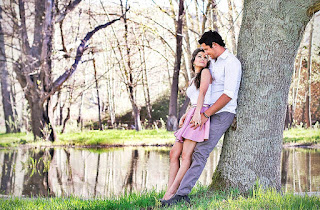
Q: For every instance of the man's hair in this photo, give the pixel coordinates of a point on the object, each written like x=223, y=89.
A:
x=211, y=36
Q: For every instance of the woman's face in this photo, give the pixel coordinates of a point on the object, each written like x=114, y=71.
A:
x=201, y=60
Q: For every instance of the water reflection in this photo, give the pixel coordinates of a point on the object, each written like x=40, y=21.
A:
x=101, y=173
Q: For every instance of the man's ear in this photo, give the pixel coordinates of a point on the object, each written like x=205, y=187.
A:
x=213, y=44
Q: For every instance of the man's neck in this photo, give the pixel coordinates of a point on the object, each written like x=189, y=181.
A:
x=221, y=51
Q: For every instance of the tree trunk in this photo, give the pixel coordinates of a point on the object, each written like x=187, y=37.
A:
x=34, y=75
x=214, y=16
x=40, y=120
x=295, y=96
x=269, y=38
x=5, y=84
x=187, y=54
x=110, y=94
x=309, y=70
x=97, y=89
x=145, y=82
x=66, y=119
x=131, y=84
x=232, y=28
x=172, y=122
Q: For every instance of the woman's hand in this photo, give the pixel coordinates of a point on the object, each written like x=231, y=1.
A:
x=196, y=119
x=181, y=121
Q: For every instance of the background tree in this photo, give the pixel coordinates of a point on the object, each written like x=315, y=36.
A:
x=5, y=84
x=35, y=72
x=172, y=122
x=269, y=38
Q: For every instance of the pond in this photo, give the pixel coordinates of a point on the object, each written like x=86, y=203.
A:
x=89, y=173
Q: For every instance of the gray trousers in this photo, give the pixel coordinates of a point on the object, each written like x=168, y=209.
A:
x=219, y=123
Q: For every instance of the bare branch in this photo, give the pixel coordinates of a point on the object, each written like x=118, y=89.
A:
x=82, y=47
x=71, y=6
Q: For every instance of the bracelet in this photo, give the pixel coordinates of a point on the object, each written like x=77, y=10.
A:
x=205, y=115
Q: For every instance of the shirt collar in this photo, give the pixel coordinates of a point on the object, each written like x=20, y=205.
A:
x=224, y=55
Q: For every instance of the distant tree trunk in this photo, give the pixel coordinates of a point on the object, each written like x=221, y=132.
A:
x=184, y=107
x=131, y=87
x=232, y=28
x=61, y=106
x=97, y=89
x=295, y=96
x=309, y=70
x=110, y=94
x=66, y=120
x=5, y=84
x=172, y=122
x=214, y=16
x=13, y=93
x=145, y=82
x=253, y=151
x=289, y=117
x=79, y=119
x=69, y=101
x=188, y=52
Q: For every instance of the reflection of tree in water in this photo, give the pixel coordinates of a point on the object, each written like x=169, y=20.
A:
x=36, y=177
x=97, y=176
x=285, y=167
x=128, y=181
x=6, y=172
x=60, y=173
x=300, y=171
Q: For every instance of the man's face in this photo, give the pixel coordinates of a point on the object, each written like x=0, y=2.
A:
x=209, y=50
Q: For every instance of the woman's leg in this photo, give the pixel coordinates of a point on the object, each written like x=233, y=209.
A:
x=175, y=153
x=188, y=147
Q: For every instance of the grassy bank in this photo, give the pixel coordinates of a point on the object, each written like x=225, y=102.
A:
x=132, y=137
x=201, y=198
x=96, y=138
x=302, y=136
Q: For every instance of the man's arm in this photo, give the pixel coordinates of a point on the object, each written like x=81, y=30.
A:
x=219, y=104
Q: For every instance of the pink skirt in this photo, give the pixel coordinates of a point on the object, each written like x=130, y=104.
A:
x=186, y=132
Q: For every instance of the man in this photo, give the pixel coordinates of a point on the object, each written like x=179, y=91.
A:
x=225, y=69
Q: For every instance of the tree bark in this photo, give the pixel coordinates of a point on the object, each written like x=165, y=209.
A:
x=5, y=84
x=172, y=122
x=269, y=38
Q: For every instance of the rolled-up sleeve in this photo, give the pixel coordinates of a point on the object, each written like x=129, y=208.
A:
x=232, y=78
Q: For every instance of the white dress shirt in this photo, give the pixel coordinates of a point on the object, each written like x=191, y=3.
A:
x=226, y=74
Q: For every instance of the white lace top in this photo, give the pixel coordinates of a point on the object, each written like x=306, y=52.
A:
x=193, y=93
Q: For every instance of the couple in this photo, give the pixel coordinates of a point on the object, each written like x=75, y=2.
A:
x=213, y=94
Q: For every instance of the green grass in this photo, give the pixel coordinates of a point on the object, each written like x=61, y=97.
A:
x=200, y=197
x=118, y=137
x=302, y=136
x=96, y=138
x=132, y=137
x=15, y=139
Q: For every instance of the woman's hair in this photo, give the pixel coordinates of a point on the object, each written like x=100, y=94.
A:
x=197, y=78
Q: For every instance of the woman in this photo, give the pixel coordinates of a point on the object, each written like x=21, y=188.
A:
x=199, y=92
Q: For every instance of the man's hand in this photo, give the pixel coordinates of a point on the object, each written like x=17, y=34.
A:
x=203, y=121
